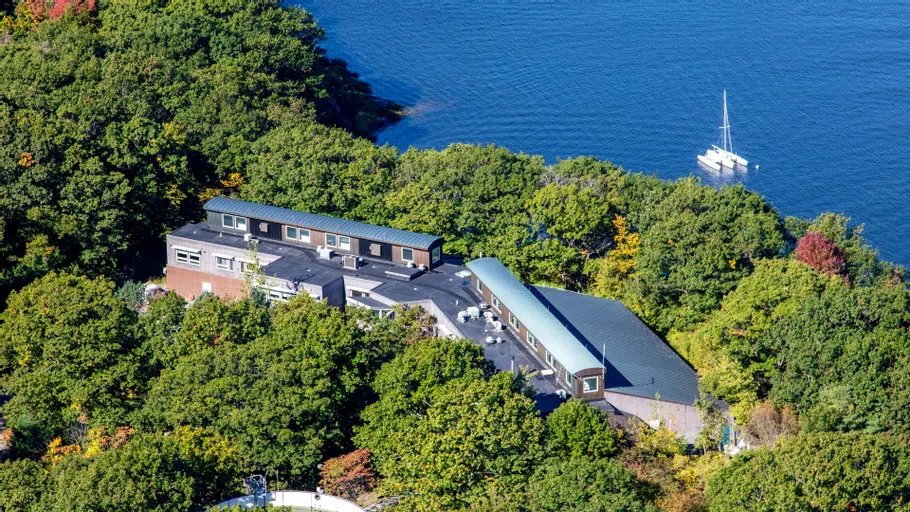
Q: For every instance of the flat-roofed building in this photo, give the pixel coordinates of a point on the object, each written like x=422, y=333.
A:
x=314, y=230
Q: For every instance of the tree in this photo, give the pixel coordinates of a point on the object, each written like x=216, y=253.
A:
x=696, y=244
x=159, y=330
x=475, y=430
x=817, y=473
x=576, y=429
x=181, y=92
x=186, y=470
x=586, y=484
x=348, y=475
x=21, y=484
x=730, y=348
x=67, y=350
x=572, y=217
x=822, y=254
x=211, y=321
x=309, y=167
x=861, y=261
x=465, y=194
x=771, y=424
x=283, y=397
x=406, y=387
x=612, y=273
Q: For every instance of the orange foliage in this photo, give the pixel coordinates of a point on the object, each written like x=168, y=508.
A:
x=349, y=475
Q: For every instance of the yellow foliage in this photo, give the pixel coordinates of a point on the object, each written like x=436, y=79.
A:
x=57, y=451
x=174, y=131
x=99, y=442
x=619, y=265
x=174, y=195
x=27, y=160
x=233, y=180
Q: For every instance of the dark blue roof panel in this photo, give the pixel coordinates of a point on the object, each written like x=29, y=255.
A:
x=321, y=222
x=638, y=362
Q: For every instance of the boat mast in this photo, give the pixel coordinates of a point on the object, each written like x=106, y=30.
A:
x=723, y=127
x=728, y=137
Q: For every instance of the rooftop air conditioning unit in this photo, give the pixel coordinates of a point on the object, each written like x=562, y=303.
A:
x=325, y=253
x=247, y=237
x=351, y=262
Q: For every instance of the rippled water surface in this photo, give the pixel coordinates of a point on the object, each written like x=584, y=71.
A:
x=818, y=92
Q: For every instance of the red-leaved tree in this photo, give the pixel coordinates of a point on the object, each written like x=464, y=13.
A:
x=60, y=7
x=349, y=475
x=822, y=254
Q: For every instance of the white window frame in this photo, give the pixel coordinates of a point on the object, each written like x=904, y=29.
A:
x=304, y=238
x=273, y=294
x=532, y=340
x=514, y=321
x=190, y=256
x=494, y=301
x=228, y=266
x=588, y=389
x=235, y=222
x=568, y=378
x=551, y=360
x=333, y=235
x=287, y=233
x=342, y=244
x=479, y=286
x=404, y=258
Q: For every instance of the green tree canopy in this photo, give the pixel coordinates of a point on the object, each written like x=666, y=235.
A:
x=465, y=194
x=281, y=397
x=586, y=484
x=115, y=124
x=183, y=471
x=407, y=385
x=474, y=431
x=817, y=473
x=66, y=352
x=576, y=429
x=696, y=244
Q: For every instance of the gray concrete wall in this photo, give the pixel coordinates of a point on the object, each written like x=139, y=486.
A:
x=680, y=418
x=441, y=318
x=207, y=256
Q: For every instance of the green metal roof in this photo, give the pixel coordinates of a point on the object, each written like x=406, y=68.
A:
x=537, y=317
x=321, y=223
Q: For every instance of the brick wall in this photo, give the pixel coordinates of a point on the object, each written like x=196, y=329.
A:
x=188, y=283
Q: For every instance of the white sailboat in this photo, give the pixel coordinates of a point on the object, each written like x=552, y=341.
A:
x=717, y=158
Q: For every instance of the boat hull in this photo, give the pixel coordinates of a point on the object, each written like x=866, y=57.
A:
x=708, y=162
x=736, y=159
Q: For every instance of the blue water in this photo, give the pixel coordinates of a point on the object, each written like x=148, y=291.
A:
x=818, y=93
